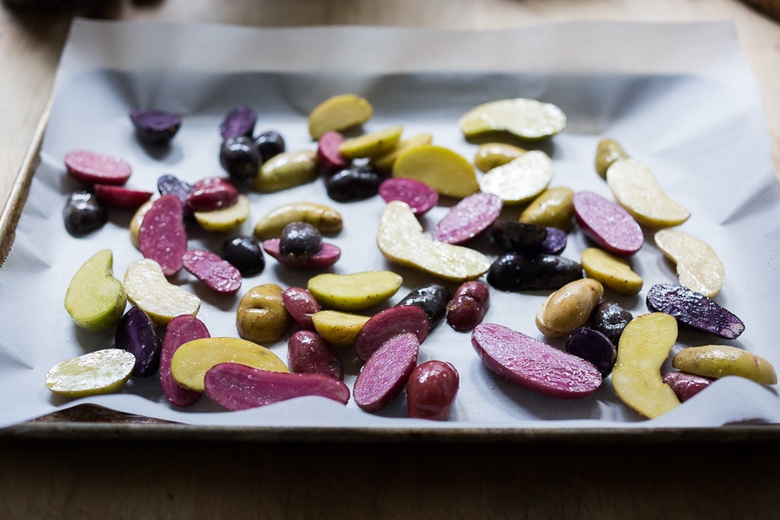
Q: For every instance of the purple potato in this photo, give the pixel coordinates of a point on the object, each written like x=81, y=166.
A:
x=135, y=333
x=694, y=310
x=155, y=127
x=523, y=272
x=593, y=346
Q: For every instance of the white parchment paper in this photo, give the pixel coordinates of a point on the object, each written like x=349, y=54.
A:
x=680, y=98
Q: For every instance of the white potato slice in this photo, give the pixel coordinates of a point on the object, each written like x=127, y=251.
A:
x=698, y=266
x=520, y=180
x=525, y=118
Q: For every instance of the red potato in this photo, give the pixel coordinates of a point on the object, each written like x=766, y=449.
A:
x=329, y=157
x=212, y=194
x=608, y=224
x=468, y=306
x=328, y=255
x=385, y=374
x=97, y=168
x=685, y=385
x=468, y=218
x=309, y=353
x=302, y=305
x=240, y=387
x=179, y=331
x=533, y=364
x=121, y=197
x=388, y=323
x=215, y=273
x=162, y=236
x=431, y=390
x=418, y=195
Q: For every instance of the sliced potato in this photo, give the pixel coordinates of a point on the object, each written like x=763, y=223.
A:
x=724, y=360
x=321, y=216
x=224, y=219
x=490, y=155
x=337, y=327
x=95, y=299
x=520, y=180
x=637, y=190
x=148, y=289
x=636, y=378
x=354, y=291
x=374, y=143
x=386, y=160
x=99, y=372
x=607, y=152
x=610, y=270
x=552, y=208
x=444, y=170
x=339, y=113
x=698, y=266
x=525, y=118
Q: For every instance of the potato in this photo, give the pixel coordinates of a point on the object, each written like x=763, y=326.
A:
x=354, y=291
x=520, y=180
x=99, y=372
x=261, y=316
x=339, y=113
x=612, y=271
x=95, y=299
x=525, y=118
x=724, y=360
x=149, y=289
x=444, y=170
x=338, y=328
x=569, y=307
x=384, y=375
x=694, y=309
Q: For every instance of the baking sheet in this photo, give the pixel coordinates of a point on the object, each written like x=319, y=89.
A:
x=680, y=98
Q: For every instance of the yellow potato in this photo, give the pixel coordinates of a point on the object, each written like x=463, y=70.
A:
x=723, y=360
x=95, y=299
x=193, y=359
x=261, y=316
x=401, y=240
x=525, y=118
x=444, y=170
x=637, y=190
x=224, y=219
x=371, y=144
x=644, y=346
x=612, y=271
x=386, y=160
x=323, y=217
x=520, y=180
x=553, y=208
x=490, y=155
x=137, y=220
x=698, y=266
x=339, y=113
x=338, y=328
x=354, y=291
x=286, y=170
x=568, y=308
x=607, y=152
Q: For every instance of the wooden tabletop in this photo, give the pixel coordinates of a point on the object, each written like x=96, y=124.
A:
x=119, y=477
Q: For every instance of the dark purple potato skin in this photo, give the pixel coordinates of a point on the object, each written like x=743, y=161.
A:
x=593, y=346
x=155, y=127
x=610, y=319
x=239, y=121
x=432, y=298
x=170, y=184
x=83, y=213
x=246, y=255
x=511, y=235
x=515, y=272
x=135, y=333
x=300, y=239
x=694, y=310
x=269, y=144
x=353, y=183
x=239, y=157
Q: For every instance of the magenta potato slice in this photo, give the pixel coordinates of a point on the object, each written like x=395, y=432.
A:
x=532, y=364
x=608, y=224
x=162, y=236
x=302, y=305
x=468, y=306
x=135, y=333
x=694, y=310
x=240, y=387
x=328, y=255
x=685, y=385
x=468, y=218
x=97, y=168
x=431, y=390
x=211, y=194
x=121, y=197
x=179, y=331
x=156, y=127
x=329, y=157
x=309, y=353
x=385, y=374
x=388, y=323
x=217, y=274
x=418, y=195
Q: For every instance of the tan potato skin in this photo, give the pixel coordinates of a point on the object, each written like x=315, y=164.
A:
x=723, y=360
x=569, y=307
x=261, y=316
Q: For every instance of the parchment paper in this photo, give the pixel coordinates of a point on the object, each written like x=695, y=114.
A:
x=679, y=98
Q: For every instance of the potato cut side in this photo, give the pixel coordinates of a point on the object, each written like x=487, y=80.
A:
x=354, y=291
x=148, y=289
x=99, y=372
x=374, y=143
x=612, y=271
x=520, y=180
x=225, y=219
x=637, y=190
x=95, y=299
x=339, y=113
x=386, y=160
x=525, y=118
x=338, y=328
x=444, y=170
x=636, y=378
x=698, y=266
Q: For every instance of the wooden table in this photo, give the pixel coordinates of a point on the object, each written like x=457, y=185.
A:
x=116, y=476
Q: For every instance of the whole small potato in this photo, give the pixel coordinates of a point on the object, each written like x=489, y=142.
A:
x=261, y=316
x=569, y=307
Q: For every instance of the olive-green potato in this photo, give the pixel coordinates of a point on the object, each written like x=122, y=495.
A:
x=261, y=316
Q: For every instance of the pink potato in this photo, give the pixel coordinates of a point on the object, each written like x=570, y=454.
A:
x=385, y=374
x=97, y=168
x=329, y=158
x=388, y=323
x=162, y=236
x=533, y=364
x=120, y=196
x=468, y=218
x=685, y=385
x=468, y=306
x=418, y=195
x=217, y=274
x=431, y=390
x=179, y=331
x=328, y=255
x=302, y=305
x=240, y=387
x=211, y=194
x=608, y=224
x=309, y=353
